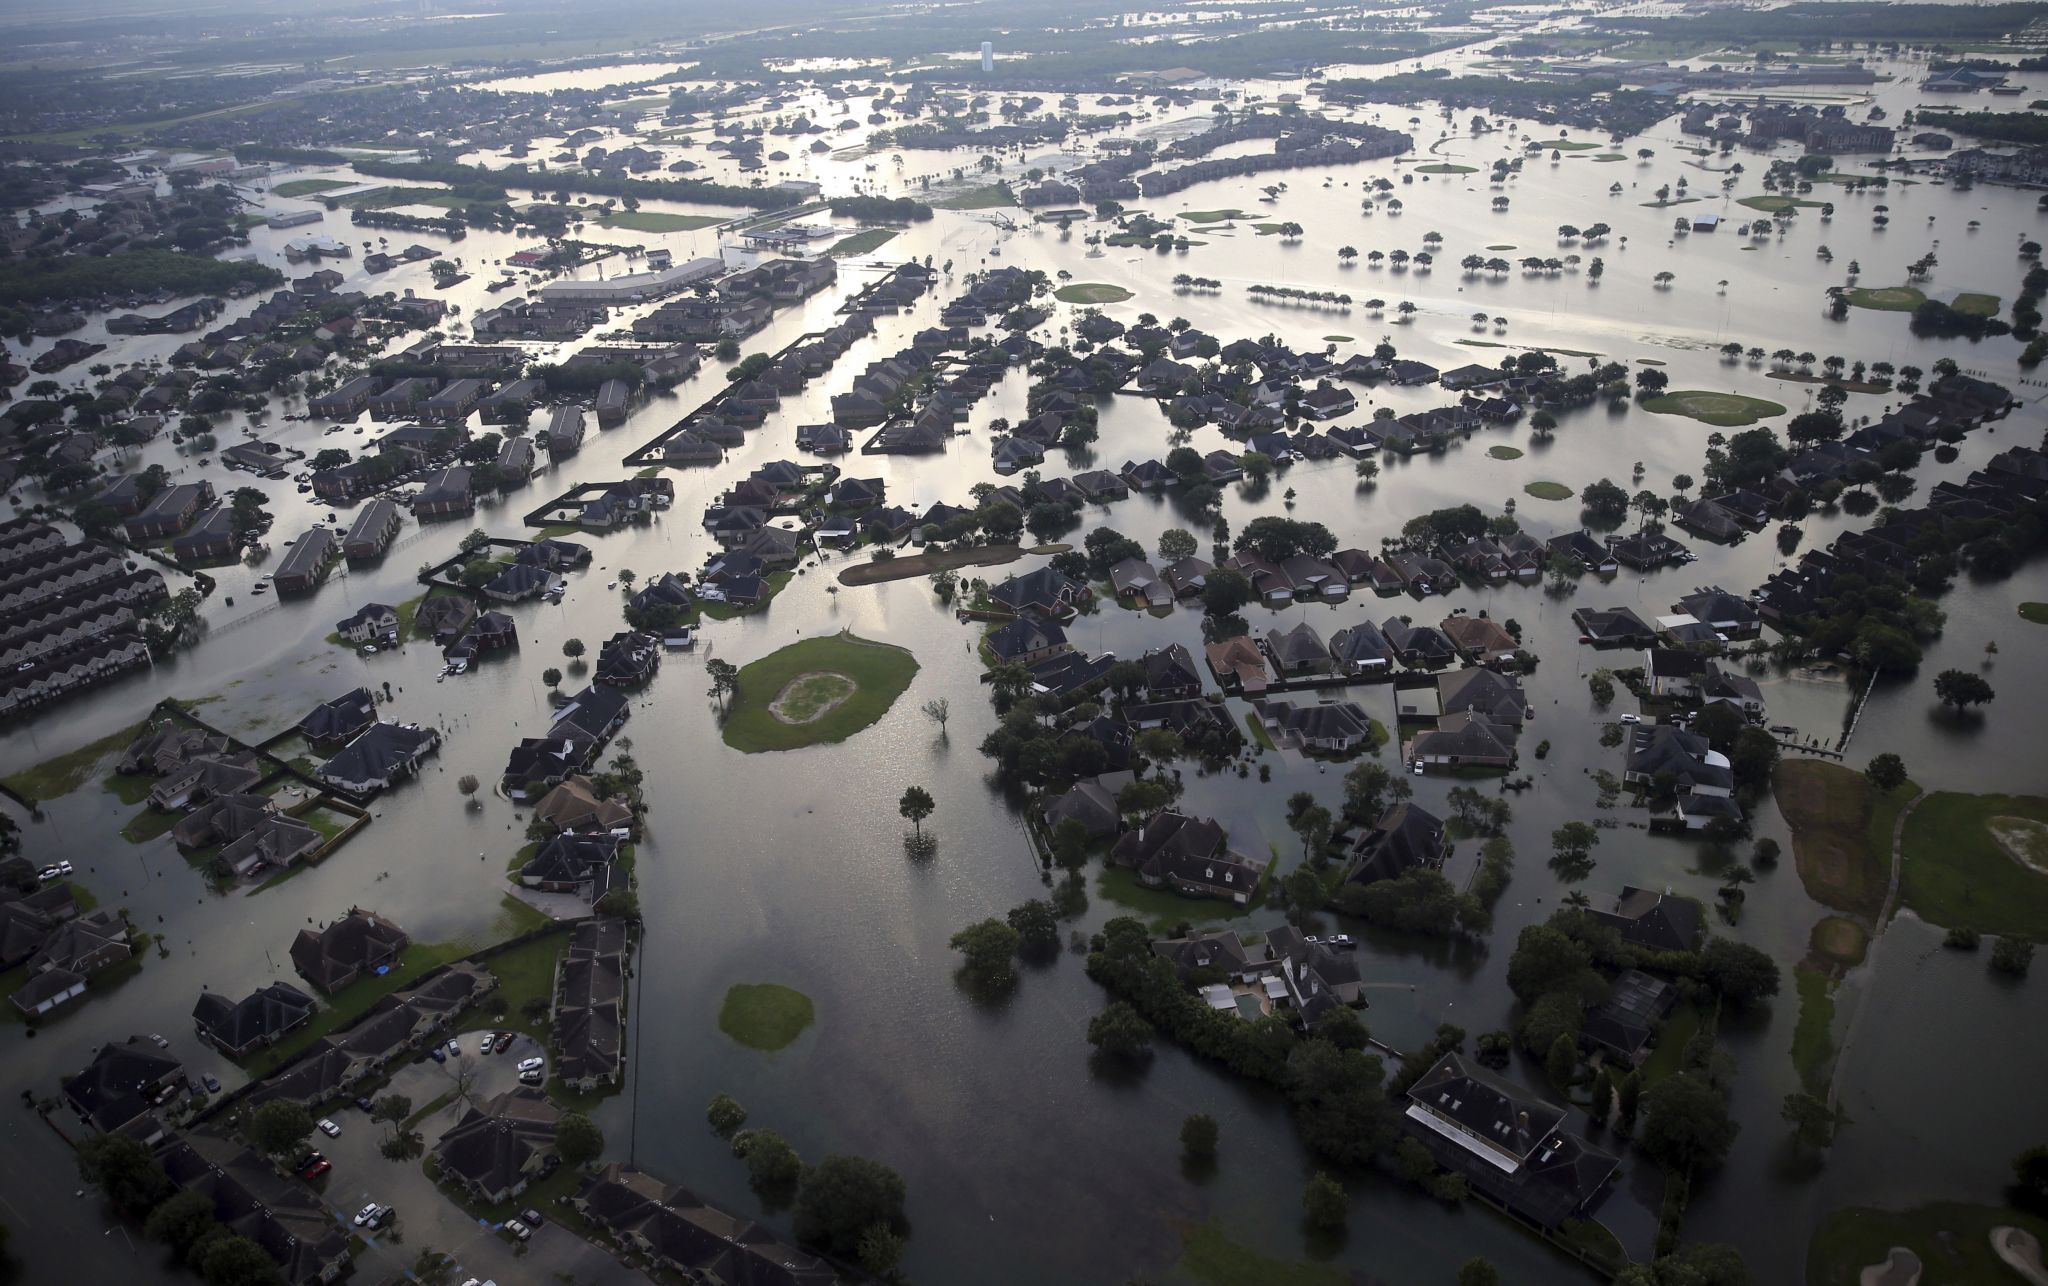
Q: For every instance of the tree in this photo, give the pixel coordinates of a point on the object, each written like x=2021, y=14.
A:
x=1478, y=1272
x=124, y=1170
x=1070, y=844
x=1314, y=825
x=2012, y=956
x=238, y=1261
x=1572, y=847
x=880, y=1250
x=725, y=680
x=1813, y=1122
x=773, y=1166
x=468, y=785
x=577, y=1139
x=2030, y=1171
x=1224, y=591
x=1365, y=790
x=1561, y=1064
x=1885, y=773
x=1960, y=688
x=1323, y=1203
x=938, y=710
x=1740, y=973
x=552, y=677
x=573, y=648
x=183, y=1222
x=1544, y=960
x=278, y=1127
x=916, y=805
x=1198, y=1136
x=988, y=946
x=1687, y=1123
x=725, y=1114
x=1176, y=543
x=1038, y=929
x=1605, y=500
x=842, y=1197
x=1120, y=1031
x=391, y=1109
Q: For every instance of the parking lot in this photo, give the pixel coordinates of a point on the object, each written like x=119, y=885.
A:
x=424, y=1218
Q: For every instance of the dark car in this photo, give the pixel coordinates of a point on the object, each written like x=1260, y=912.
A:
x=212, y=1084
x=532, y=1218
x=438, y=1054
x=365, y=1104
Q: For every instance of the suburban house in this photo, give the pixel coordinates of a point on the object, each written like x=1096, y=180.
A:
x=1673, y=672
x=1170, y=673
x=370, y=623
x=1499, y=697
x=1298, y=652
x=1238, y=664
x=500, y=1146
x=1506, y=1143
x=1622, y=1025
x=1723, y=685
x=573, y=862
x=358, y=943
x=1654, y=921
x=1137, y=584
x=333, y=722
x=1025, y=640
x=1464, y=740
x=1419, y=647
x=574, y=806
x=1337, y=727
x=1189, y=856
x=1407, y=837
x=1043, y=592
x=383, y=755
x=1730, y=616
x=1665, y=758
x=251, y=1197
x=251, y=832
x=1360, y=650
x=1613, y=627
x=1092, y=803
x=263, y=1017
x=1480, y=640
x=121, y=1084
x=676, y=1230
x=587, y=1025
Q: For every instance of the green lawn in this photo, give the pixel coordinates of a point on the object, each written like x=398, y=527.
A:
x=989, y=196
x=355, y=1000
x=309, y=187
x=765, y=1015
x=658, y=221
x=1260, y=736
x=1952, y=1239
x=1549, y=490
x=387, y=198
x=1887, y=299
x=1957, y=874
x=1446, y=167
x=879, y=672
x=1091, y=292
x=147, y=825
x=1773, y=204
x=1506, y=453
x=1724, y=410
x=726, y=611
x=129, y=788
x=1212, y=216
x=55, y=778
x=1972, y=303
x=1812, y=1041
x=1163, y=908
x=1211, y=1257
x=1829, y=808
x=1669, y=1056
x=1565, y=145
x=863, y=242
x=2034, y=612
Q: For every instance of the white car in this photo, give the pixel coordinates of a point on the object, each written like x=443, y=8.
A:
x=518, y=1229
x=483, y=1045
x=532, y=1064
x=159, y=1041
x=1631, y=718
x=329, y=1128
x=366, y=1214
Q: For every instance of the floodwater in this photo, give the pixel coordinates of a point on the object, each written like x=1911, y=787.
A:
x=1024, y=1162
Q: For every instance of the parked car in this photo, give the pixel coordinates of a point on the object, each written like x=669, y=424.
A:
x=315, y=1168
x=366, y=1214
x=532, y=1064
x=518, y=1229
x=212, y=1083
x=437, y=1054
x=329, y=1128
x=533, y=1077
x=504, y=1042
x=454, y=1049
x=1631, y=718
x=365, y=1104
x=159, y=1041
x=532, y=1218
